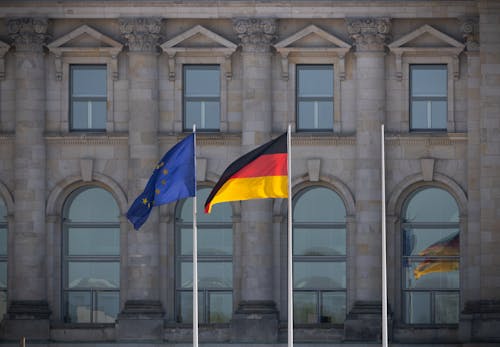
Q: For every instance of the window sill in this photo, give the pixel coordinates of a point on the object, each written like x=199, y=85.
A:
x=65, y=325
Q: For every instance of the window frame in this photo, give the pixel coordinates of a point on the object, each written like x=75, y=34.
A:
x=403, y=258
x=4, y=258
x=316, y=99
x=66, y=258
x=73, y=98
x=186, y=98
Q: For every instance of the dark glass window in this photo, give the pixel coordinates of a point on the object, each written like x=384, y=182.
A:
x=431, y=249
x=88, y=97
x=429, y=97
x=3, y=259
x=319, y=257
x=215, y=262
x=314, y=98
x=91, y=254
x=201, y=97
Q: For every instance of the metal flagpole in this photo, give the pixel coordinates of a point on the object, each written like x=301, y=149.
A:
x=384, y=249
x=195, y=254
x=290, y=270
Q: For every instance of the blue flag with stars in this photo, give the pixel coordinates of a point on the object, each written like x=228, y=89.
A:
x=173, y=178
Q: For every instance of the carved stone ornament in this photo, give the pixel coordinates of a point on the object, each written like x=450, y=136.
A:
x=142, y=34
x=28, y=34
x=470, y=33
x=256, y=34
x=369, y=34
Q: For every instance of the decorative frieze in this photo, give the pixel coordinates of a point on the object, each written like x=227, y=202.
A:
x=28, y=34
x=369, y=34
x=256, y=34
x=470, y=32
x=141, y=34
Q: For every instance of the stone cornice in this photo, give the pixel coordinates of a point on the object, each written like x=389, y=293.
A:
x=321, y=140
x=205, y=139
x=256, y=34
x=369, y=33
x=87, y=139
x=141, y=34
x=426, y=139
x=28, y=34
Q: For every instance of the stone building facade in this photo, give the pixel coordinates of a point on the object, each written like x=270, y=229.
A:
x=93, y=93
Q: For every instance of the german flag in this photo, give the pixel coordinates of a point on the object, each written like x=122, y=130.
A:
x=259, y=174
x=449, y=246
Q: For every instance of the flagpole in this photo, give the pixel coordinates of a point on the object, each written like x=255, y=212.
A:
x=195, y=254
x=290, y=264
x=384, y=248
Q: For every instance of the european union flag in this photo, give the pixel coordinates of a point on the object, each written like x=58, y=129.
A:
x=172, y=179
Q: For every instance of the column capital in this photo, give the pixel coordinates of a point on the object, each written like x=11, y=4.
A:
x=141, y=34
x=369, y=33
x=29, y=34
x=256, y=34
x=470, y=32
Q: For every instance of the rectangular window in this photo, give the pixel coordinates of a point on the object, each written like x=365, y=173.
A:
x=428, y=97
x=88, y=97
x=201, y=97
x=314, y=98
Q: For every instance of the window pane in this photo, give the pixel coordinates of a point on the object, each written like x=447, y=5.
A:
x=419, y=119
x=319, y=275
x=418, y=307
x=429, y=80
x=221, y=307
x=205, y=114
x=94, y=241
x=333, y=308
x=317, y=242
x=93, y=205
x=202, y=81
x=446, y=308
x=185, y=314
x=3, y=304
x=315, y=115
x=432, y=273
x=79, y=307
x=305, y=307
x=439, y=114
x=319, y=205
x=431, y=242
x=93, y=275
x=3, y=241
x=80, y=114
x=3, y=276
x=107, y=307
x=220, y=212
x=210, y=275
x=98, y=115
x=89, y=81
x=315, y=81
x=210, y=241
x=432, y=205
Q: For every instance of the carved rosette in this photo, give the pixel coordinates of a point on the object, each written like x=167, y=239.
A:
x=256, y=34
x=28, y=34
x=369, y=34
x=141, y=34
x=470, y=33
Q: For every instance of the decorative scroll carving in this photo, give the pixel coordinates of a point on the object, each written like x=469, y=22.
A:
x=369, y=34
x=256, y=34
x=470, y=33
x=28, y=34
x=142, y=34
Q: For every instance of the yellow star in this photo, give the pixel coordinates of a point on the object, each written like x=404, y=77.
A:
x=165, y=171
x=163, y=182
x=144, y=201
x=157, y=191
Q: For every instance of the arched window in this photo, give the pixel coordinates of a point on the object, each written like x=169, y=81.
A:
x=430, y=257
x=215, y=261
x=3, y=259
x=319, y=257
x=91, y=257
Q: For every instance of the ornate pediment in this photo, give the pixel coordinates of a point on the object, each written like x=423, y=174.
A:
x=85, y=42
x=3, y=49
x=426, y=41
x=198, y=41
x=312, y=41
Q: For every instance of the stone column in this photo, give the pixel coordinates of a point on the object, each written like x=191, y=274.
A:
x=369, y=36
x=28, y=312
x=142, y=314
x=256, y=318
